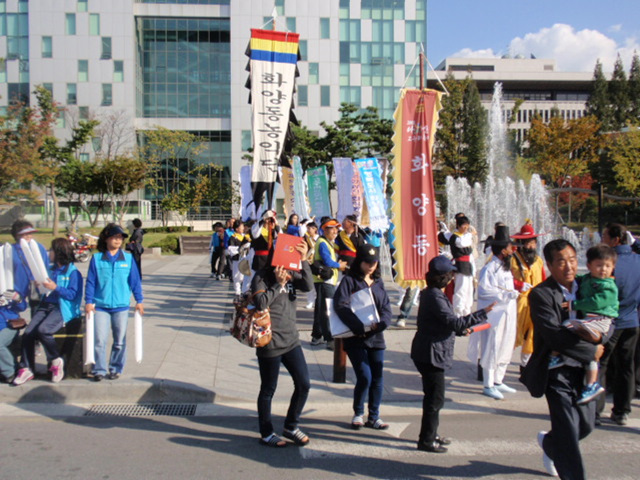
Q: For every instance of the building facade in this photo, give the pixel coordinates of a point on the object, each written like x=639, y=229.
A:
x=180, y=64
x=533, y=80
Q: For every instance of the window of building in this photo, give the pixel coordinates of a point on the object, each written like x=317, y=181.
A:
x=280, y=7
x=84, y=157
x=48, y=87
x=83, y=70
x=325, y=28
x=94, y=24
x=314, y=73
x=246, y=140
x=3, y=71
x=106, y=48
x=18, y=93
x=303, y=96
x=83, y=113
x=61, y=120
x=344, y=8
x=325, y=96
x=291, y=24
x=23, y=6
x=186, y=67
x=350, y=95
x=107, y=94
x=82, y=5
x=303, y=50
x=72, y=94
x=47, y=47
x=345, y=74
x=118, y=71
x=70, y=24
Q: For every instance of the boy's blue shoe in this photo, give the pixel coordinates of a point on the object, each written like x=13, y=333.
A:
x=589, y=393
x=555, y=361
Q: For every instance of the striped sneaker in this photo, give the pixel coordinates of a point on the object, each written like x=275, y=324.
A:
x=57, y=369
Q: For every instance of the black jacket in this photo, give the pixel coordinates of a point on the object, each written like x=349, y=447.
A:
x=282, y=305
x=549, y=335
x=437, y=327
x=342, y=305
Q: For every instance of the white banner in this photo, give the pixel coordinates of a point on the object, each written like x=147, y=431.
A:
x=343, y=168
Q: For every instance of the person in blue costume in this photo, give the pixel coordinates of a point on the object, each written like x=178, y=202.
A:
x=22, y=229
x=57, y=308
x=111, y=280
x=12, y=302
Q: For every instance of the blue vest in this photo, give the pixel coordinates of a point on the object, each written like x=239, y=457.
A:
x=112, y=280
x=70, y=309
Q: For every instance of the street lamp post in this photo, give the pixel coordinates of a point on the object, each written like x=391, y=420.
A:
x=568, y=177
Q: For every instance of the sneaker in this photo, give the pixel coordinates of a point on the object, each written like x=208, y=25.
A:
x=330, y=345
x=357, y=422
x=310, y=305
x=492, y=392
x=555, y=361
x=619, y=418
x=57, y=369
x=401, y=323
x=316, y=341
x=503, y=387
x=590, y=392
x=212, y=276
x=24, y=375
x=113, y=376
x=546, y=461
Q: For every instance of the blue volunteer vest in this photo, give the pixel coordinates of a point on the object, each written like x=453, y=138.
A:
x=112, y=282
x=70, y=309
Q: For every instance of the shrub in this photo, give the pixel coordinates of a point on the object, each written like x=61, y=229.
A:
x=168, y=244
x=171, y=229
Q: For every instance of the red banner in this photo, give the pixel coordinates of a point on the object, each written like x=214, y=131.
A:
x=416, y=241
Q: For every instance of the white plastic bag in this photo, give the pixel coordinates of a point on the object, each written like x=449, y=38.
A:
x=138, y=335
x=89, y=340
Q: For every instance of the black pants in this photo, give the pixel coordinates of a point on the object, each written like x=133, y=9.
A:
x=570, y=423
x=321, y=326
x=619, y=350
x=432, y=402
x=296, y=365
x=46, y=321
x=216, y=260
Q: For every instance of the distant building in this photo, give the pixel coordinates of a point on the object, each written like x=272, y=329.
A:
x=533, y=80
x=180, y=64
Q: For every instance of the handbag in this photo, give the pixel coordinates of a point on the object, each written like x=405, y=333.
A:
x=16, y=323
x=251, y=327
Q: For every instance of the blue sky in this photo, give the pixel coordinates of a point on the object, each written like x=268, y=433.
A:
x=573, y=32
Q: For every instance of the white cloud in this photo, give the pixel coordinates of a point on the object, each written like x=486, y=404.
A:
x=574, y=51
x=615, y=28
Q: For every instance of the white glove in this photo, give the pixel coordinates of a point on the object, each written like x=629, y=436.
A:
x=443, y=227
x=513, y=295
x=526, y=287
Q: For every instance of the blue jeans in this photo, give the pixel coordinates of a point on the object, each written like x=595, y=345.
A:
x=7, y=361
x=295, y=363
x=368, y=364
x=117, y=322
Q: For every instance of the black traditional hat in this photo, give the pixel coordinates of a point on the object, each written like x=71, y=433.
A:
x=501, y=237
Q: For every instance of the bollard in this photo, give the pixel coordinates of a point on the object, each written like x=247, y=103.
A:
x=339, y=362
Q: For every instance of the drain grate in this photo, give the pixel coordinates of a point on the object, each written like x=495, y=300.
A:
x=142, y=410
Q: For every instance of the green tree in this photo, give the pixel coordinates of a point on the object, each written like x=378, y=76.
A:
x=82, y=185
x=619, y=96
x=599, y=104
x=122, y=175
x=634, y=90
x=22, y=134
x=624, y=151
x=447, y=148
x=474, y=135
x=563, y=148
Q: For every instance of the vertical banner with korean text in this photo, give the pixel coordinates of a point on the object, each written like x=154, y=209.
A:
x=343, y=168
x=318, y=182
x=413, y=196
x=287, y=182
x=371, y=176
x=247, y=208
x=273, y=68
x=301, y=205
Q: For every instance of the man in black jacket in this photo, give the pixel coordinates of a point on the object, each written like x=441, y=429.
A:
x=563, y=383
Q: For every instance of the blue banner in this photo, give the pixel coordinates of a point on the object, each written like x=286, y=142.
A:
x=372, y=184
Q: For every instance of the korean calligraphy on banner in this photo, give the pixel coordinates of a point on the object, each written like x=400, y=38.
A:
x=273, y=60
x=413, y=194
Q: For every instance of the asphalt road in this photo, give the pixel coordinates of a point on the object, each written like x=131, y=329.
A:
x=220, y=442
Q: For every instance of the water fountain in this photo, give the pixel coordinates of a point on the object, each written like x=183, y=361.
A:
x=501, y=198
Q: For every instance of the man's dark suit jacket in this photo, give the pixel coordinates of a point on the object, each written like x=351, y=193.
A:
x=549, y=335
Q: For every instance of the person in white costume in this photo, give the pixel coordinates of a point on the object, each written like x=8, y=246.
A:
x=461, y=244
x=495, y=284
